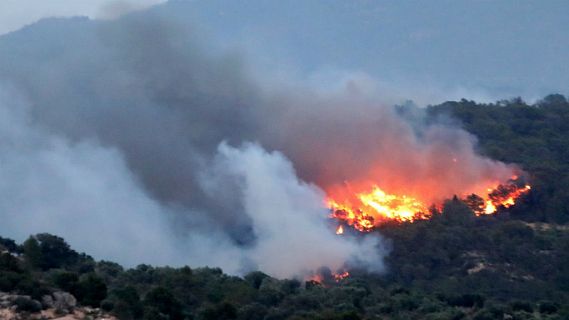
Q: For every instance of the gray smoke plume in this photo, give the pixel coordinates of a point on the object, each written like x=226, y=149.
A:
x=136, y=142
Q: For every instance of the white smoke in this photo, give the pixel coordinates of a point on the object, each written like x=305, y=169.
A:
x=80, y=191
x=86, y=193
x=288, y=215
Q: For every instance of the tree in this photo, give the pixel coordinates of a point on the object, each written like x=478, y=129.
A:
x=33, y=253
x=46, y=251
x=8, y=245
x=476, y=203
x=457, y=212
x=91, y=290
x=164, y=301
x=221, y=311
x=255, y=278
x=126, y=303
x=66, y=281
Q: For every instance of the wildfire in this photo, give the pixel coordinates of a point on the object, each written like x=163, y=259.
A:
x=327, y=278
x=504, y=195
x=366, y=210
x=341, y=276
x=375, y=207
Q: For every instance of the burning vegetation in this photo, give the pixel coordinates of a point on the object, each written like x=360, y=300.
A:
x=325, y=277
x=365, y=210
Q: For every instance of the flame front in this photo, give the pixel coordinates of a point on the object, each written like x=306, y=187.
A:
x=366, y=210
x=375, y=207
x=341, y=276
x=504, y=195
x=326, y=279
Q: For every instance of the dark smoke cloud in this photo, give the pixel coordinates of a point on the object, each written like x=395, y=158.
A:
x=135, y=133
x=127, y=127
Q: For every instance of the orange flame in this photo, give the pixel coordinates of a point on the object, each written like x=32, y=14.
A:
x=375, y=207
x=368, y=209
x=341, y=276
x=505, y=196
x=324, y=280
x=315, y=278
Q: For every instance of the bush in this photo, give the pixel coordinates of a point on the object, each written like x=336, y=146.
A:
x=521, y=306
x=27, y=304
x=466, y=300
x=254, y=311
x=548, y=307
x=107, y=305
x=449, y=314
x=351, y=315
x=484, y=315
x=151, y=313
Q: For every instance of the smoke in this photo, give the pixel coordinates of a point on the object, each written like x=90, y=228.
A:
x=137, y=142
x=87, y=193
x=287, y=215
x=115, y=8
x=349, y=135
x=78, y=190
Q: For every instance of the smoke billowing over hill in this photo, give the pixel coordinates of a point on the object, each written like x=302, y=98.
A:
x=135, y=141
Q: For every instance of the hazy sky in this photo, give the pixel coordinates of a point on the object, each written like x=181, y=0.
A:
x=15, y=14
x=428, y=51
x=475, y=48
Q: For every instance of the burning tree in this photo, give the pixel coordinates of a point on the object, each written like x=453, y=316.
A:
x=366, y=210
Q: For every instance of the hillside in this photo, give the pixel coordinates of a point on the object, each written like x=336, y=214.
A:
x=512, y=265
x=216, y=159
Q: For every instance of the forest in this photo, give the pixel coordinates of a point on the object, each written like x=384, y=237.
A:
x=456, y=265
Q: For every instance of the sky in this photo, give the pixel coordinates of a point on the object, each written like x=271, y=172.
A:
x=441, y=49
x=428, y=51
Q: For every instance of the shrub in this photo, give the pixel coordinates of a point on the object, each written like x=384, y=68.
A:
x=521, y=306
x=548, y=307
x=27, y=304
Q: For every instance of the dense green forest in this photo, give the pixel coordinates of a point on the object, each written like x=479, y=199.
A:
x=513, y=265
x=536, y=137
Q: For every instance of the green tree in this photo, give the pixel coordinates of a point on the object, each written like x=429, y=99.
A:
x=126, y=303
x=91, y=290
x=164, y=301
x=33, y=253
